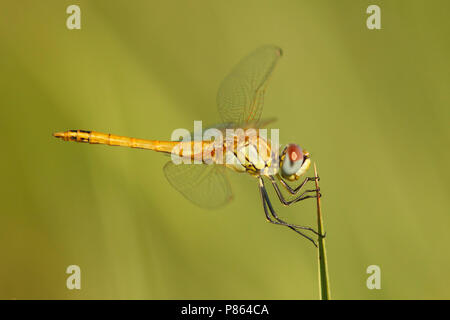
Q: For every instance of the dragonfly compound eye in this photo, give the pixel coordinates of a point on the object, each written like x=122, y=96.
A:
x=292, y=160
x=295, y=153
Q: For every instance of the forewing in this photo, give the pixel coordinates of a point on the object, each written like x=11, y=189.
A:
x=205, y=185
x=241, y=95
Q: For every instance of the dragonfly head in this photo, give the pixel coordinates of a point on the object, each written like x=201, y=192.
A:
x=294, y=162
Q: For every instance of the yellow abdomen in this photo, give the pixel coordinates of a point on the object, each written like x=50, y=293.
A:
x=94, y=137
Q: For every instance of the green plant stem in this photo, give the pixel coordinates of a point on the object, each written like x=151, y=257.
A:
x=324, y=281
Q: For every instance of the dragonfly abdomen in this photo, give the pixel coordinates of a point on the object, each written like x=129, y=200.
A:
x=109, y=139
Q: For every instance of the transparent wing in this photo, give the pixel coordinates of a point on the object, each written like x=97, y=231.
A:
x=241, y=95
x=256, y=124
x=205, y=185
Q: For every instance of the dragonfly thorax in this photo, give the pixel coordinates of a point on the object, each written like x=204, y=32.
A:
x=252, y=155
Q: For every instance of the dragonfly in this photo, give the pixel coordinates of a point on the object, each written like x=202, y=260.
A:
x=240, y=101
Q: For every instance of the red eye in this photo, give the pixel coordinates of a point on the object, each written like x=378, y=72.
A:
x=294, y=152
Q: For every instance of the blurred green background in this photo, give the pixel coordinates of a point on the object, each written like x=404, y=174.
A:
x=371, y=106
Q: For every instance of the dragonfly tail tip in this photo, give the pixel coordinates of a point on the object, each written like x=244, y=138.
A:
x=58, y=134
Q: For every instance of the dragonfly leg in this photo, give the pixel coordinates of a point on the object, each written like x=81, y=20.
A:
x=297, y=189
x=301, y=197
x=271, y=214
